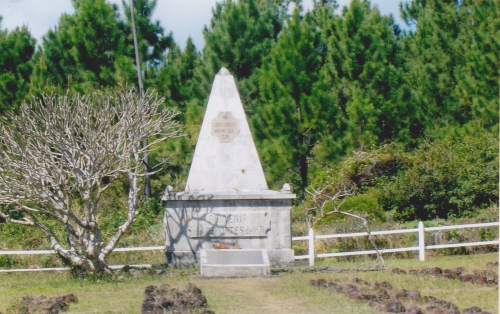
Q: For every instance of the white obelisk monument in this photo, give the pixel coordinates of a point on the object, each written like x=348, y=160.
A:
x=225, y=158
x=226, y=202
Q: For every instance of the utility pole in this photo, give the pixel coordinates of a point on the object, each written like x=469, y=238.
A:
x=147, y=179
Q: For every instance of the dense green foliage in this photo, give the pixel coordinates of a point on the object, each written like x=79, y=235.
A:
x=334, y=96
x=452, y=61
x=240, y=34
x=295, y=107
x=365, y=68
x=151, y=39
x=453, y=177
x=87, y=50
x=178, y=81
x=16, y=51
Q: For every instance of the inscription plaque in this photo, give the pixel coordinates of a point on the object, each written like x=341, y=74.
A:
x=225, y=127
x=227, y=225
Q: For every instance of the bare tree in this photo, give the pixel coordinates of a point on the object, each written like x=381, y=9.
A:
x=59, y=153
x=325, y=203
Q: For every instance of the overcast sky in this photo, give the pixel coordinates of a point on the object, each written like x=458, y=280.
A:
x=183, y=17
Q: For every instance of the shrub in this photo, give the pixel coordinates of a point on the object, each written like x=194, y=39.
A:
x=453, y=177
x=450, y=178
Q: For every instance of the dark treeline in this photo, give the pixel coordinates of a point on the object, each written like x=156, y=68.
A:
x=334, y=95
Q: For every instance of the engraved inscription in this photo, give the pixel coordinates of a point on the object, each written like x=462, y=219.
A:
x=225, y=127
x=244, y=224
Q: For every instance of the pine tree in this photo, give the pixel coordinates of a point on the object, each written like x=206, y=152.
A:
x=16, y=51
x=240, y=34
x=176, y=75
x=477, y=81
x=176, y=78
x=452, y=61
x=365, y=70
x=295, y=108
x=152, y=41
x=86, y=50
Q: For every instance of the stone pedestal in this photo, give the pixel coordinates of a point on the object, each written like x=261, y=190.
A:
x=195, y=221
x=241, y=262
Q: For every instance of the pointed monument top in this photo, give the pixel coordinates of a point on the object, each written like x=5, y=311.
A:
x=223, y=71
x=225, y=158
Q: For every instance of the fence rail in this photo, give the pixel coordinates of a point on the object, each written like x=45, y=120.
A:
x=40, y=252
x=120, y=249
x=312, y=255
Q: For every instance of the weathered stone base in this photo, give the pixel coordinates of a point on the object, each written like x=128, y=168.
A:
x=234, y=263
x=185, y=259
x=182, y=259
x=283, y=256
x=227, y=220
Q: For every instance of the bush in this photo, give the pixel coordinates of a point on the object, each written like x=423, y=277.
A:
x=361, y=172
x=451, y=178
x=454, y=177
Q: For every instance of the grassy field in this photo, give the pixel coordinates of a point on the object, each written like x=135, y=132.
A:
x=286, y=293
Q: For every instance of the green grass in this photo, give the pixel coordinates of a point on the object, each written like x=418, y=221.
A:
x=287, y=293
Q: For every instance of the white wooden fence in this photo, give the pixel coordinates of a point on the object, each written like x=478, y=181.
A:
x=38, y=252
x=420, y=248
x=311, y=253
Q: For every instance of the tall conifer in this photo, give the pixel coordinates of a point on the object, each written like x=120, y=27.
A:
x=365, y=69
x=151, y=37
x=240, y=34
x=294, y=107
x=86, y=50
x=16, y=50
x=176, y=79
x=452, y=61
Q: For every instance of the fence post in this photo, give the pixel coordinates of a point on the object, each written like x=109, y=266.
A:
x=311, y=247
x=421, y=241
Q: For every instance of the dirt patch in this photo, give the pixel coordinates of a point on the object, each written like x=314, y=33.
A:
x=42, y=304
x=304, y=270
x=170, y=300
x=382, y=297
x=479, y=277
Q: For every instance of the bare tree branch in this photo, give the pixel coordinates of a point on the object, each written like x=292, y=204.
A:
x=322, y=199
x=57, y=150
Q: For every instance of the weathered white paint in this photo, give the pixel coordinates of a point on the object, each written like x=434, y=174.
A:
x=231, y=165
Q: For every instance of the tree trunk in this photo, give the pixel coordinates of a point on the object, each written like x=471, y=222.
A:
x=303, y=167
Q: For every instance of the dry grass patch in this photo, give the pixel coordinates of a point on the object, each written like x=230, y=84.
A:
x=287, y=293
